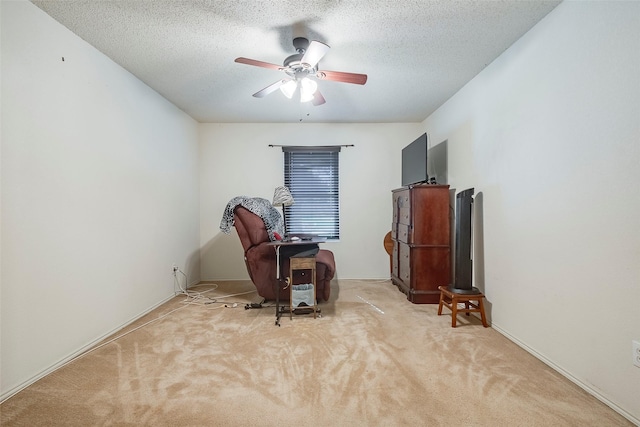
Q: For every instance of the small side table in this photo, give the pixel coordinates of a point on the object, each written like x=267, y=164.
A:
x=307, y=264
x=451, y=300
x=277, y=244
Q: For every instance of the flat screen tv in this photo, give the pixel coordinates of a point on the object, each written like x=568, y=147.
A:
x=414, y=162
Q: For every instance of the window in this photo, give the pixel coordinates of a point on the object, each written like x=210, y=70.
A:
x=311, y=174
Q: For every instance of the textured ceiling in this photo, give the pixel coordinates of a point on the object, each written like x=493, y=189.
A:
x=417, y=54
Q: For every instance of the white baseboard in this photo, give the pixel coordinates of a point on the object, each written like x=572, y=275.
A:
x=6, y=395
x=595, y=393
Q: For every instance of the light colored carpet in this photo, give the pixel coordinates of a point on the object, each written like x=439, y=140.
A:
x=373, y=359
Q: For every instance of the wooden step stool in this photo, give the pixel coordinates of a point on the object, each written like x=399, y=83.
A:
x=452, y=299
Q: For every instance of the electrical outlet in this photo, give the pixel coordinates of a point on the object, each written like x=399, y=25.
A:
x=636, y=353
x=175, y=268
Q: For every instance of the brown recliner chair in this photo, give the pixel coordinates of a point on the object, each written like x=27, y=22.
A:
x=261, y=259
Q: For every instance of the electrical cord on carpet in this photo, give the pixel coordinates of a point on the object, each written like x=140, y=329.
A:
x=199, y=298
x=184, y=290
x=191, y=297
x=91, y=350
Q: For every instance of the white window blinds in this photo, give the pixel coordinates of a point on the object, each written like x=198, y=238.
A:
x=311, y=174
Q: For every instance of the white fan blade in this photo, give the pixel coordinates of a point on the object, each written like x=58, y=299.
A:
x=314, y=53
x=271, y=88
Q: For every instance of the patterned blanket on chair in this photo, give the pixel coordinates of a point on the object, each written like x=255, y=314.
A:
x=261, y=207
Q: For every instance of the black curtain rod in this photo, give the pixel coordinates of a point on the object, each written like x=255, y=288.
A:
x=311, y=146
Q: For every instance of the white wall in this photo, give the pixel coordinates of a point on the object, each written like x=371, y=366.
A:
x=235, y=160
x=99, y=195
x=549, y=137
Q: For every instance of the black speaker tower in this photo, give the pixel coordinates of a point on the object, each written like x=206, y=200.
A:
x=463, y=281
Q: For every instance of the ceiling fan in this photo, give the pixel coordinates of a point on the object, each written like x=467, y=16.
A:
x=302, y=70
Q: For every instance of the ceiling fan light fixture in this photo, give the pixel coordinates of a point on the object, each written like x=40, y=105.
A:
x=289, y=88
x=308, y=88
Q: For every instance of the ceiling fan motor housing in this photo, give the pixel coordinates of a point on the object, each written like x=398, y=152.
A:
x=290, y=61
x=295, y=68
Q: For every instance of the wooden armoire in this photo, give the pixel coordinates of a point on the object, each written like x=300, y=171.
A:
x=421, y=234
